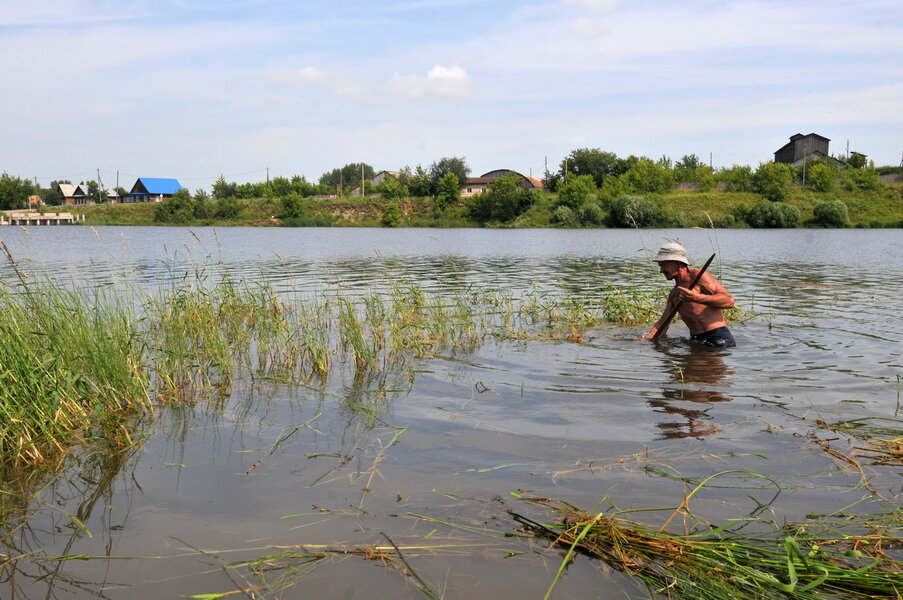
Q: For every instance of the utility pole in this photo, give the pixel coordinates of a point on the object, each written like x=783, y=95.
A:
x=103, y=192
x=363, y=189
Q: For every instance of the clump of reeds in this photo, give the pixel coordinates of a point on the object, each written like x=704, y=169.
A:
x=794, y=562
x=75, y=358
x=69, y=359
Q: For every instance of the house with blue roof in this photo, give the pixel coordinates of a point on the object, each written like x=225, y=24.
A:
x=153, y=189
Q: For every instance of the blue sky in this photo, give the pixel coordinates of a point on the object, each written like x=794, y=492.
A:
x=193, y=89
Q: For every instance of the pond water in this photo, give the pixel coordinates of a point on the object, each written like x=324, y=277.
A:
x=600, y=422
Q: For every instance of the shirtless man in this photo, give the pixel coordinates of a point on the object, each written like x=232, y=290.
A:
x=700, y=307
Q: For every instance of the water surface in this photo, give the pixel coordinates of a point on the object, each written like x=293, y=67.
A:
x=596, y=422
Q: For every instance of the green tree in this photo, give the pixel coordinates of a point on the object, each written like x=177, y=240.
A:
x=417, y=180
x=392, y=189
x=448, y=164
x=14, y=192
x=736, y=179
x=576, y=191
x=857, y=160
x=95, y=194
x=304, y=188
x=281, y=187
x=348, y=176
x=773, y=180
x=831, y=213
x=647, y=176
x=448, y=193
x=505, y=199
x=223, y=189
x=593, y=162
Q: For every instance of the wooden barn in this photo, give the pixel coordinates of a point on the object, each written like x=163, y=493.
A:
x=802, y=148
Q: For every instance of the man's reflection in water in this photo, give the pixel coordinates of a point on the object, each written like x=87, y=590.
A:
x=697, y=381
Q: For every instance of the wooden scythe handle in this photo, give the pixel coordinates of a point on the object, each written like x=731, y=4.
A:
x=674, y=308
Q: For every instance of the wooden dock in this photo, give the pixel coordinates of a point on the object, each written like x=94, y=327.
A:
x=33, y=217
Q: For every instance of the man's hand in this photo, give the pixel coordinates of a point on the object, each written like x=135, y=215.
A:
x=688, y=295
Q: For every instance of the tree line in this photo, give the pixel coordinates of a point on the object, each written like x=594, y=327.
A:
x=591, y=187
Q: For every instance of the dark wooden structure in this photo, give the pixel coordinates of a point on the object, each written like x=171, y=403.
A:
x=802, y=148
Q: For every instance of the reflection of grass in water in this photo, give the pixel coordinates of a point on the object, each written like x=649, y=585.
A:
x=807, y=561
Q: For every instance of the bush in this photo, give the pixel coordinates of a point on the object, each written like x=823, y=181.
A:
x=565, y=216
x=863, y=179
x=591, y=214
x=773, y=180
x=178, y=209
x=392, y=189
x=821, y=177
x=391, y=215
x=831, y=213
x=634, y=211
x=449, y=192
x=291, y=206
x=736, y=179
x=647, y=176
x=226, y=208
x=504, y=200
x=773, y=215
x=576, y=191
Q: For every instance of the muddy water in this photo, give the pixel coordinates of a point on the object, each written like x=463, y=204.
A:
x=460, y=440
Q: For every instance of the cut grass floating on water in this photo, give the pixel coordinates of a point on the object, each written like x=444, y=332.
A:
x=719, y=564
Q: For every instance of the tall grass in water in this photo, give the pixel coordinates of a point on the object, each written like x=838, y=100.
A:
x=74, y=358
x=69, y=360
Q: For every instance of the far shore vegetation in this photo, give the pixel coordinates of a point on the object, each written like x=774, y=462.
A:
x=591, y=189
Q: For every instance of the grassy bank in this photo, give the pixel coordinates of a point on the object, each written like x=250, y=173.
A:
x=880, y=207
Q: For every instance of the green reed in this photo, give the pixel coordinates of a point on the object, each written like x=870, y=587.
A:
x=81, y=357
x=68, y=360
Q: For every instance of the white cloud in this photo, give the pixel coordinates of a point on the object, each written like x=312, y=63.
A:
x=440, y=83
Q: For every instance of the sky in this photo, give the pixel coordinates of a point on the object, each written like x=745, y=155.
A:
x=196, y=89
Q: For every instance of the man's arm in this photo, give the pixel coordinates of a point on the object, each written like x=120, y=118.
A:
x=661, y=321
x=708, y=291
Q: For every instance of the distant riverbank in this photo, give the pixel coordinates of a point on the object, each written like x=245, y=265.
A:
x=881, y=207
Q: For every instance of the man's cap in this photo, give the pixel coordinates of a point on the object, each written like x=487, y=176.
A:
x=672, y=251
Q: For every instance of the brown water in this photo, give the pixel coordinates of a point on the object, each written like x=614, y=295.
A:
x=603, y=422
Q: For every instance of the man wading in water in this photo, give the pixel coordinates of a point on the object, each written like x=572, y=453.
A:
x=700, y=308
